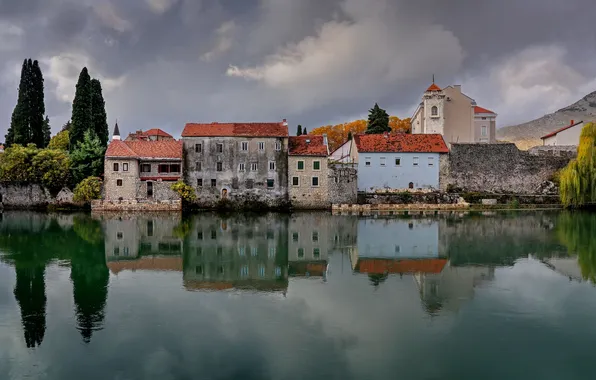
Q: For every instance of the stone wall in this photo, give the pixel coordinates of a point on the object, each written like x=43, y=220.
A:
x=134, y=205
x=32, y=196
x=343, y=183
x=499, y=168
x=427, y=198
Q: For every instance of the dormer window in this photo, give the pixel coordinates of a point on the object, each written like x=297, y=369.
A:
x=434, y=111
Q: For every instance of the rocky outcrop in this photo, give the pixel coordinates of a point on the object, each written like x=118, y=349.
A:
x=33, y=196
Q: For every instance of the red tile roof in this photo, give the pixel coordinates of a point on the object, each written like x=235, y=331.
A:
x=307, y=146
x=561, y=130
x=401, y=143
x=434, y=87
x=235, y=130
x=140, y=135
x=379, y=266
x=171, y=149
x=482, y=110
x=157, y=132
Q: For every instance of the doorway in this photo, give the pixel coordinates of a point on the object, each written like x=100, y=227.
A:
x=149, y=189
x=224, y=193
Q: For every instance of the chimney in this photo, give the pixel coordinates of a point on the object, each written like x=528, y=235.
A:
x=116, y=135
x=325, y=141
x=284, y=123
x=572, y=122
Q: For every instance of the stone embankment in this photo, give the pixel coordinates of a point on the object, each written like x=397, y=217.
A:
x=126, y=205
x=16, y=196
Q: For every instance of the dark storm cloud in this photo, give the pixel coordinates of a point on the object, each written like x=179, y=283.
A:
x=165, y=62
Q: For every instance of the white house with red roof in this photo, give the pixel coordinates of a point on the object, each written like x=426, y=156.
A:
x=454, y=115
x=141, y=170
x=566, y=136
x=398, y=161
x=243, y=163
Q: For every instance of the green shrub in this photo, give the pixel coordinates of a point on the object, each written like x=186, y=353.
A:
x=60, y=141
x=186, y=192
x=88, y=189
x=405, y=197
x=51, y=168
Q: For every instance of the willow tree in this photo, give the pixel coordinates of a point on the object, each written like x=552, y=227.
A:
x=578, y=179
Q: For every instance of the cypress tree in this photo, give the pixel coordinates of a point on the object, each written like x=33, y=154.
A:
x=378, y=121
x=349, y=135
x=47, y=132
x=18, y=132
x=81, y=109
x=304, y=131
x=37, y=107
x=99, y=117
x=299, y=131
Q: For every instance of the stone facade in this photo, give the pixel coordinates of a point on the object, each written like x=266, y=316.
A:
x=32, y=196
x=308, y=187
x=239, y=170
x=498, y=168
x=342, y=183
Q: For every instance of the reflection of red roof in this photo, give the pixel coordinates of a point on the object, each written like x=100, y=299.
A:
x=482, y=110
x=145, y=149
x=147, y=263
x=561, y=130
x=235, y=130
x=401, y=143
x=266, y=286
x=307, y=146
x=380, y=266
x=313, y=268
x=434, y=87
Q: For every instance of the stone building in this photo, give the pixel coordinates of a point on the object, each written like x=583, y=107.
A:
x=456, y=116
x=241, y=163
x=307, y=172
x=154, y=134
x=141, y=170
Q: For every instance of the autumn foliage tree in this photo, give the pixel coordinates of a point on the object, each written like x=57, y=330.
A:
x=339, y=134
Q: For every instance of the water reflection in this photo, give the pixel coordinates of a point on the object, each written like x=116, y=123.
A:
x=448, y=256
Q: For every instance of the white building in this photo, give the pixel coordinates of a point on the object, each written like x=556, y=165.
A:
x=398, y=161
x=565, y=136
x=342, y=154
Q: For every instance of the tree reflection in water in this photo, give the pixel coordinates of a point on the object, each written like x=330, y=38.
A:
x=577, y=232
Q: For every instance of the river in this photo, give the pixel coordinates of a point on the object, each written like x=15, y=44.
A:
x=304, y=296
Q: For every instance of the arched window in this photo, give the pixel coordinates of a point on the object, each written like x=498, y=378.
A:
x=434, y=111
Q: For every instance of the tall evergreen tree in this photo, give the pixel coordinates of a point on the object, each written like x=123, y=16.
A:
x=19, y=131
x=378, y=121
x=37, y=107
x=304, y=131
x=47, y=132
x=99, y=117
x=299, y=131
x=81, y=109
x=349, y=135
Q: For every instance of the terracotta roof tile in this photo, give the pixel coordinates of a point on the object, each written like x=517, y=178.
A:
x=478, y=109
x=401, y=143
x=434, y=87
x=157, y=132
x=235, y=130
x=571, y=125
x=307, y=146
x=145, y=149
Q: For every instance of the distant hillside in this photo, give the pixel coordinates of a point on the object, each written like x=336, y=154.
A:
x=528, y=134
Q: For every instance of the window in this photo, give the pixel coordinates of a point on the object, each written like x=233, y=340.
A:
x=278, y=271
x=254, y=251
x=219, y=148
x=261, y=270
x=220, y=270
x=174, y=168
x=219, y=167
x=199, y=166
x=315, y=236
x=244, y=146
x=315, y=181
x=241, y=251
x=199, y=251
x=397, y=249
x=199, y=269
x=316, y=253
x=383, y=161
x=415, y=161
x=270, y=183
x=300, y=165
x=241, y=167
x=118, y=182
x=270, y=234
x=116, y=251
x=366, y=161
x=146, y=168
x=300, y=252
x=254, y=167
x=168, y=168
x=213, y=182
x=244, y=271
x=434, y=111
x=125, y=167
x=316, y=165
x=200, y=182
x=200, y=235
x=484, y=118
x=119, y=235
x=126, y=251
x=271, y=251
x=261, y=146
x=115, y=166
x=250, y=183
x=272, y=165
x=398, y=161
x=213, y=234
x=484, y=130
x=295, y=181
x=150, y=228
x=278, y=145
x=198, y=148
x=431, y=161
x=295, y=236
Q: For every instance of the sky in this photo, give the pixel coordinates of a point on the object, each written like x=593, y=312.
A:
x=163, y=63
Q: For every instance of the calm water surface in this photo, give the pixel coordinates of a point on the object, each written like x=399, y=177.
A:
x=306, y=296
